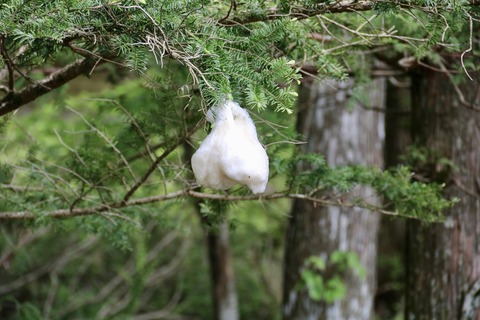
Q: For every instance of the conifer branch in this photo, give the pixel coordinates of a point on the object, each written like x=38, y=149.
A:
x=339, y=6
x=56, y=79
x=67, y=213
x=190, y=192
x=300, y=13
x=154, y=165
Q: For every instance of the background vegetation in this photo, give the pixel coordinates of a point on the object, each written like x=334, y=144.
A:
x=103, y=101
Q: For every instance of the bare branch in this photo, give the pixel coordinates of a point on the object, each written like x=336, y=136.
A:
x=56, y=79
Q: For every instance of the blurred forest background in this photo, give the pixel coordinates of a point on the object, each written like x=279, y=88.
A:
x=368, y=110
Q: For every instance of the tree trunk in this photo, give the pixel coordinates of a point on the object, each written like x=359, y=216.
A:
x=224, y=292
x=391, y=248
x=443, y=259
x=397, y=120
x=344, y=137
x=223, y=279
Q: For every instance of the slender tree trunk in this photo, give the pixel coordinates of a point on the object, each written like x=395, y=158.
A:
x=443, y=267
x=397, y=120
x=223, y=278
x=344, y=137
x=391, y=247
x=224, y=293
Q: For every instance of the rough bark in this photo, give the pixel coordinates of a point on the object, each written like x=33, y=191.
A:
x=443, y=266
x=343, y=137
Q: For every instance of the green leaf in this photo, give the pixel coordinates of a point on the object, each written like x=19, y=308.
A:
x=335, y=289
x=316, y=262
x=314, y=284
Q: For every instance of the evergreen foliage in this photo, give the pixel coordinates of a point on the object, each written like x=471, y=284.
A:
x=326, y=282
x=112, y=159
x=220, y=52
x=410, y=198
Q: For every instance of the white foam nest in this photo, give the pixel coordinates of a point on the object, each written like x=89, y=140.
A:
x=231, y=154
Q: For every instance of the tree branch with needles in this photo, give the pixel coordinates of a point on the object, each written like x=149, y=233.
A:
x=191, y=192
x=156, y=40
x=154, y=165
x=338, y=6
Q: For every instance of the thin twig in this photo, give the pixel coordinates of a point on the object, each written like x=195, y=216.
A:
x=89, y=54
x=152, y=168
x=142, y=154
x=461, y=97
x=68, y=147
x=9, y=64
x=470, y=41
x=136, y=125
x=233, y=5
x=110, y=143
x=16, y=188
